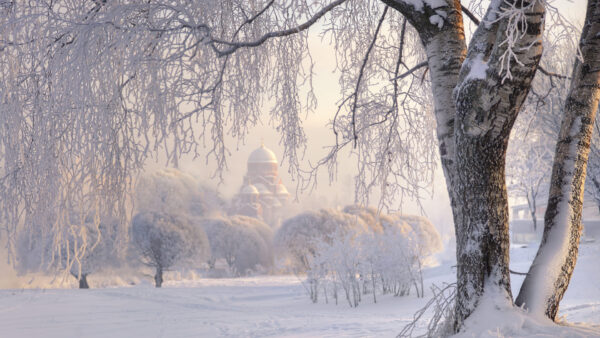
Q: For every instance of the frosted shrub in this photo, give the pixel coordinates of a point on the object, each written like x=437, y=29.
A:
x=296, y=240
x=243, y=242
x=88, y=246
x=357, y=263
x=338, y=265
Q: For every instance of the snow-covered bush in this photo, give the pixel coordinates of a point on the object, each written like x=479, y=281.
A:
x=295, y=241
x=243, y=242
x=357, y=251
x=335, y=267
x=361, y=263
x=166, y=240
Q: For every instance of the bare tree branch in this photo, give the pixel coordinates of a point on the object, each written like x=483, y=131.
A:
x=470, y=15
x=237, y=45
x=361, y=73
x=476, y=21
x=410, y=71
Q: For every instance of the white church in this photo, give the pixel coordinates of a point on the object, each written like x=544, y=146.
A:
x=262, y=194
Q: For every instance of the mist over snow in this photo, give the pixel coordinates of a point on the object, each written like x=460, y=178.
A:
x=299, y=168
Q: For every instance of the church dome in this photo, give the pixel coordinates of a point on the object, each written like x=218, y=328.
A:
x=249, y=190
x=262, y=155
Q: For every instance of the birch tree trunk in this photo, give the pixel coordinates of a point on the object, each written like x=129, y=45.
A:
x=473, y=127
x=551, y=271
x=488, y=102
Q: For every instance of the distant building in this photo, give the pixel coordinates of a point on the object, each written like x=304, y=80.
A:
x=262, y=194
x=521, y=225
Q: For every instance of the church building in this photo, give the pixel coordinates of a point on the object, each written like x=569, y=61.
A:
x=262, y=194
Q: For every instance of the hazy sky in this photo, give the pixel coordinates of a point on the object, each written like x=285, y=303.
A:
x=327, y=91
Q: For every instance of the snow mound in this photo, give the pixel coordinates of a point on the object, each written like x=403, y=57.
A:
x=497, y=317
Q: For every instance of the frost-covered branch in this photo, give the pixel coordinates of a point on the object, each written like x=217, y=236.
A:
x=235, y=45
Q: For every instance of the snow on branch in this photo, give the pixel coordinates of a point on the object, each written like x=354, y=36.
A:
x=233, y=46
x=90, y=91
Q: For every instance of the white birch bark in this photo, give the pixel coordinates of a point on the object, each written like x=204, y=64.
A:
x=475, y=113
x=489, y=95
x=551, y=271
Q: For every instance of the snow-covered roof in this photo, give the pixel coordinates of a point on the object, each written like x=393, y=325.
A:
x=262, y=155
x=281, y=190
x=262, y=189
x=249, y=189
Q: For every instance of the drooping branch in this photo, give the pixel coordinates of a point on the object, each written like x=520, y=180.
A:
x=361, y=73
x=470, y=15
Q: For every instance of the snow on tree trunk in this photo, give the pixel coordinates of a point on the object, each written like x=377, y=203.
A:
x=551, y=271
x=494, y=81
x=481, y=221
x=475, y=113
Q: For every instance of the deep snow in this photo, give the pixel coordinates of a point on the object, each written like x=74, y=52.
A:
x=264, y=306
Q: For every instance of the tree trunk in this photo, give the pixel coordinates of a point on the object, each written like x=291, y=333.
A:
x=551, y=270
x=482, y=237
x=488, y=102
x=597, y=189
x=532, y=209
x=473, y=129
x=83, y=284
x=158, y=277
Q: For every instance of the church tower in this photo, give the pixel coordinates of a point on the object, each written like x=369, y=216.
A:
x=262, y=194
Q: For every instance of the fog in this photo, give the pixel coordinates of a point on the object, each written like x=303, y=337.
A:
x=8, y=277
x=435, y=204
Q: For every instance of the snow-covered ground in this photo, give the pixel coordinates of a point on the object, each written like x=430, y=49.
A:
x=256, y=306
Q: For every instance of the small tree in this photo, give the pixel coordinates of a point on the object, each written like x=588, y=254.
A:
x=94, y=248
x=529, y=163
x=165, y=240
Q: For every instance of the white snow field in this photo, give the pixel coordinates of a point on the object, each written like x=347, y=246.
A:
x=275, y=306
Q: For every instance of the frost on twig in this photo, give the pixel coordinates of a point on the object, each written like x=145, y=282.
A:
x=441, y=309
